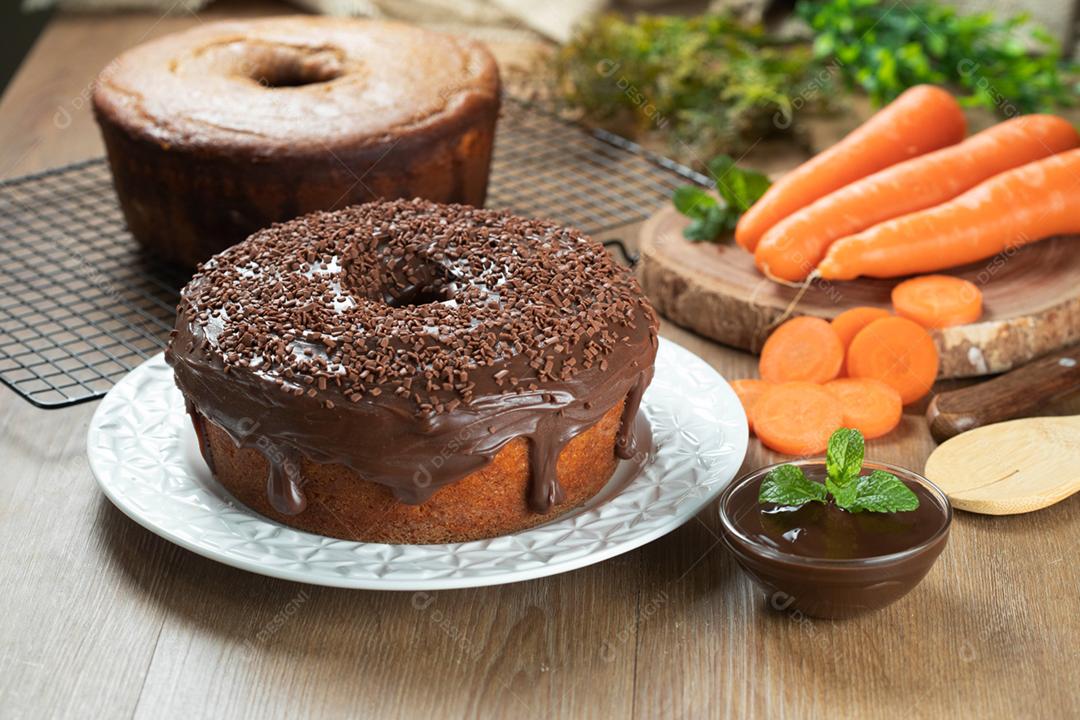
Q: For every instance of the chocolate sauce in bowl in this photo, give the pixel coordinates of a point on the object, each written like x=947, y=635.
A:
x=823, y=530
x=825, y=561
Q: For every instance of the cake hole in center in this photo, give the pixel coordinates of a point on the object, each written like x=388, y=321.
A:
x=421, y=295
x=289, y=68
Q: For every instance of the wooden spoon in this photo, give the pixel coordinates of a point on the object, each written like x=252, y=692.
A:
x=1020, y=393
x=1015, y=466
x=1010, y=467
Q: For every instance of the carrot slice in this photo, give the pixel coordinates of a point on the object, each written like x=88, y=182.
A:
x=922, y=119
x=795, y=245
x=802, y=349
x=797, y=418
x=1017, y=207
x=749, y=392
x=848, y=323
x=870, y=406
x=937, y=301
x=897, y=351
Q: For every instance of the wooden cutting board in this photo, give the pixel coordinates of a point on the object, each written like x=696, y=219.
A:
x=1031, y=297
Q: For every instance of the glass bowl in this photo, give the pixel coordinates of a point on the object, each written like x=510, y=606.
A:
x=831, y=587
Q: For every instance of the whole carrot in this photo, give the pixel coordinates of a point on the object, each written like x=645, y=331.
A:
x=1017, y=207
x=922, y=119
x=795, y=245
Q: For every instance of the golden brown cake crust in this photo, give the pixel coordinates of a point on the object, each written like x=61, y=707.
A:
x=487, y=503
x=293, y=85
x=219, y=131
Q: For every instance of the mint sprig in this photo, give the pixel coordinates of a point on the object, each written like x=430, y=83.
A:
x=843, y=461
x=739, y=188
x=879, y=491
x=710, y=219
x=788, y=485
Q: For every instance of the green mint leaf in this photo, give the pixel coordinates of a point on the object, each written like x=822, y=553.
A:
x=715, y=223
x=737, y=187
x=719, y=167
x=881, y=492
x=843, y=460
x=842, y=495
x=712, y=219
x=692, y=201
x=788, y=485
x=751, y=187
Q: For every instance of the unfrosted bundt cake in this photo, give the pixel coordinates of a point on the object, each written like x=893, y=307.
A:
x=219, y=131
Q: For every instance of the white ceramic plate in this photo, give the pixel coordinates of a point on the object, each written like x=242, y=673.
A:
x=143, y=451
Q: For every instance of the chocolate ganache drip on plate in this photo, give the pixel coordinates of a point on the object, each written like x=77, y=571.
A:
x=410, y=341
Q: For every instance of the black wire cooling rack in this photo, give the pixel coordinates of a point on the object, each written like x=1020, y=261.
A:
x=81, y=305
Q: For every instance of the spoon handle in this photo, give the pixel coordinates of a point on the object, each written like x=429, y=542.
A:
x=1019, y=393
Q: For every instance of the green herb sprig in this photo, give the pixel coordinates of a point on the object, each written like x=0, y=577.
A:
x=1008, y=65
x=712, y=219
x=700, y=85
x=879, y=491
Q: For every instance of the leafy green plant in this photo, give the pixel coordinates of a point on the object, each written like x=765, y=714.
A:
x=708, y=84
x=879, y=491
x=711, y=219
x=1008, y=65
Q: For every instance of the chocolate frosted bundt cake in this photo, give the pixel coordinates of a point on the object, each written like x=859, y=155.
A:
x=409, y=372
x=219, y=131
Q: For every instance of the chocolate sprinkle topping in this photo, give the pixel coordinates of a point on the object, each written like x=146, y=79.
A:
x=413, y=319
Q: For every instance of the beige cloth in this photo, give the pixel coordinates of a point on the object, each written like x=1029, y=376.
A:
x=552, y=19
x=165, y=6
x=555, y=19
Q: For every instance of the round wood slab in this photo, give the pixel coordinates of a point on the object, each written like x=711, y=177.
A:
x=1031, y=297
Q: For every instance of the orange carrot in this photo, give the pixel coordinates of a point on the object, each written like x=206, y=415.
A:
x=870, y=406
x=937, y=301
x=897, y=351
x=848, y=323
x=922, y=119
x=797, y=418
x=749, y=392
x=794, y=246
x=1014, y=208
x=803, y=348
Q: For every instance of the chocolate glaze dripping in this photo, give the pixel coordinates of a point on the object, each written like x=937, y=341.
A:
x=548, y=442
x=382, y=439
x=626, y=445
x=283, y=481
x=545, y=492
x=199, y=423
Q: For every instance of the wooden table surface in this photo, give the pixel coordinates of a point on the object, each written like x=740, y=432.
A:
x=100, y=618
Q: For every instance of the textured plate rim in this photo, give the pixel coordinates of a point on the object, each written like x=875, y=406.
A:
x=733, y=417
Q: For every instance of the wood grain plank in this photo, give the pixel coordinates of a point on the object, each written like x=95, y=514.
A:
x=103, y=619
x=246, y=646
x=78, y=629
